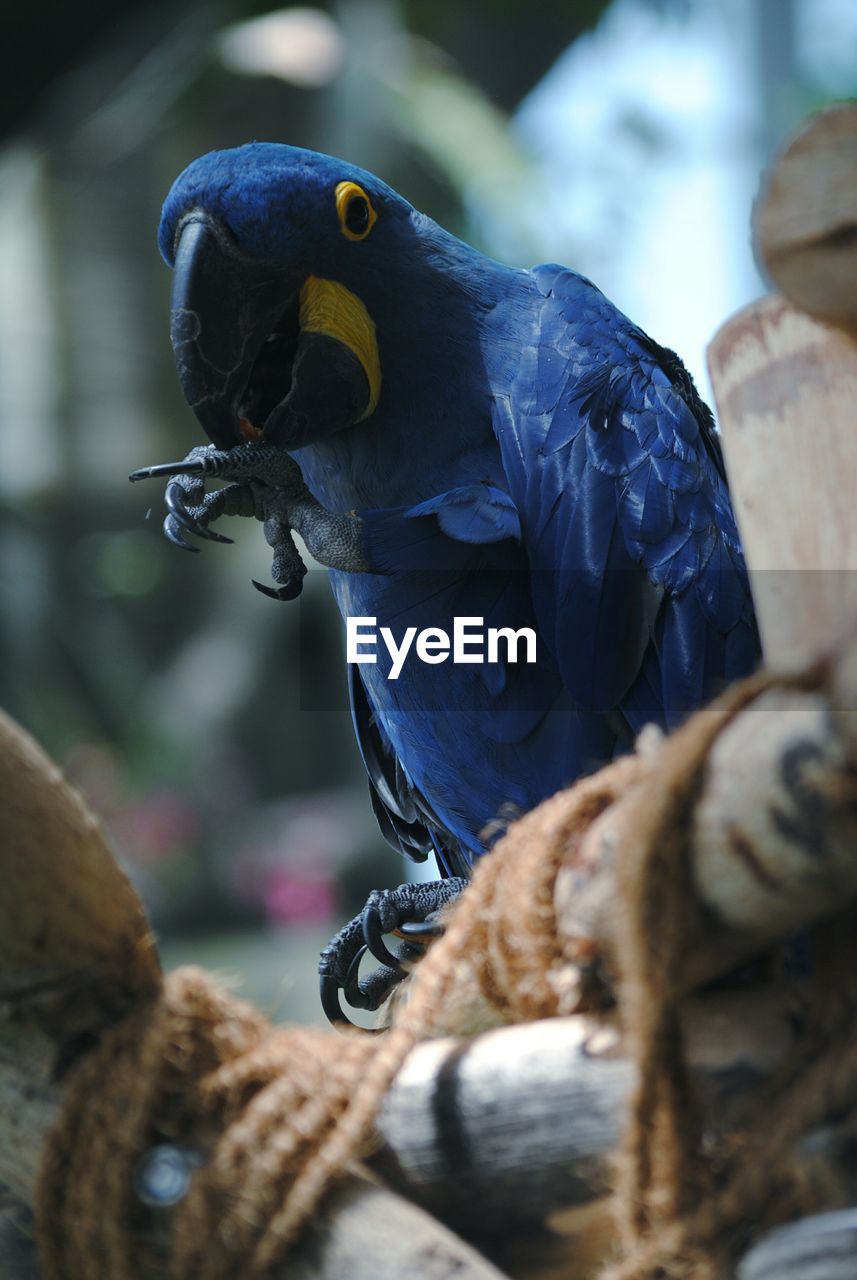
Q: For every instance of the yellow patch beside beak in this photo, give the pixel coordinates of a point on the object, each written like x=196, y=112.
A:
x=329, y=308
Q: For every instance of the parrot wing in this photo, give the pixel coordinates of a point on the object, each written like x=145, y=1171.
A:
x=435, y=549
x=405, y=817
x=639, y=582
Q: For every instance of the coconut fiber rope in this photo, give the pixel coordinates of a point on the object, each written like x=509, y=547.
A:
x=269, y=1119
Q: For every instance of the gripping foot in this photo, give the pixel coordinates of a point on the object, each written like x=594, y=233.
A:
x=411, y=912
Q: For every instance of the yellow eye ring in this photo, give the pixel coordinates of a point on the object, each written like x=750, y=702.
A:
x=354, y=210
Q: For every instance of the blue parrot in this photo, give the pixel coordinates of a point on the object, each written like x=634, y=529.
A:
x=455, y=439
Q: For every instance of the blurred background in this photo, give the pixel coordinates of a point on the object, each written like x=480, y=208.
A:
x=208, y=725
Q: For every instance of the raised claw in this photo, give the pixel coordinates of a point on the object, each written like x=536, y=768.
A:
x=202, y=461
x=174, y=498
x=290, y=590
x=192, y=467
x=173, y=532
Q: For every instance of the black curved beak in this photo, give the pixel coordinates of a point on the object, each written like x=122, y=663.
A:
x=224, y=307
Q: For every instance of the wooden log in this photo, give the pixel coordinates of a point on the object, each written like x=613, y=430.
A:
x=508, y=1138
x=774, y=828
x=506, y=1135
x=75, y=954
x=509, y=1126
x=561, y=1168
x=745, y=794
x=785, y=386
x=518, y=1121
x=806, y=220
x=821, y=1247
x=771, y=843
x=18, y=1259
x=75, y=946
x=368, y=1233
x=362, y=1231
x=29, y=1099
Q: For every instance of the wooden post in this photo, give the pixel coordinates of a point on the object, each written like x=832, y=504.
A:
x=785, y=383
x=805, y=223
x=786, y=387
x=75, y=955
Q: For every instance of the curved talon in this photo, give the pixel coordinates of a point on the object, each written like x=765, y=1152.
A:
x=355, y=996
x=369, y=999
x=413, y=913
x=419, y=930
x=328, y=989
x=288, y=591
x=196, y=467
x=174, y=534
x=174, y=498
x=373, y=932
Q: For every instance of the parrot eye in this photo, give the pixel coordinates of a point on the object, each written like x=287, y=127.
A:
x=355, y=212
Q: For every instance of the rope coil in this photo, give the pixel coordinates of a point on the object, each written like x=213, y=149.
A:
x=197, y=1068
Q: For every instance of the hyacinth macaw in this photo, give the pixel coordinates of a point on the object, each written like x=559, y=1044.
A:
x=453, y=437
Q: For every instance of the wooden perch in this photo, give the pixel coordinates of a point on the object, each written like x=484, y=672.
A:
x=517, y=1127
x=75, y=953
x=771, y=842
x=515, y=1130
x=785, y=387
x=822, y=1247
x=806, y=218
x=512, y=1134
x=770, y=849
x=774, y=829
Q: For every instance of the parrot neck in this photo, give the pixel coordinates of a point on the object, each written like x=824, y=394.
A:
x=446, y=327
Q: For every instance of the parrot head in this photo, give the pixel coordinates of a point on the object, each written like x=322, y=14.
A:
x=280, y=257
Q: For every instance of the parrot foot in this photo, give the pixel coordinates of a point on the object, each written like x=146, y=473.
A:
x=266, y=483
x=190, y=509
x=412, y=913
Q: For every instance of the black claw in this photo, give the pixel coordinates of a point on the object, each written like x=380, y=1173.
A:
x=174, y=498
x=288, y=591
x=373, y=932
x=175, y=536
x=339, y=965
x=328, y=989
x=169, y=469
x=351, y=984
x=417, y=930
